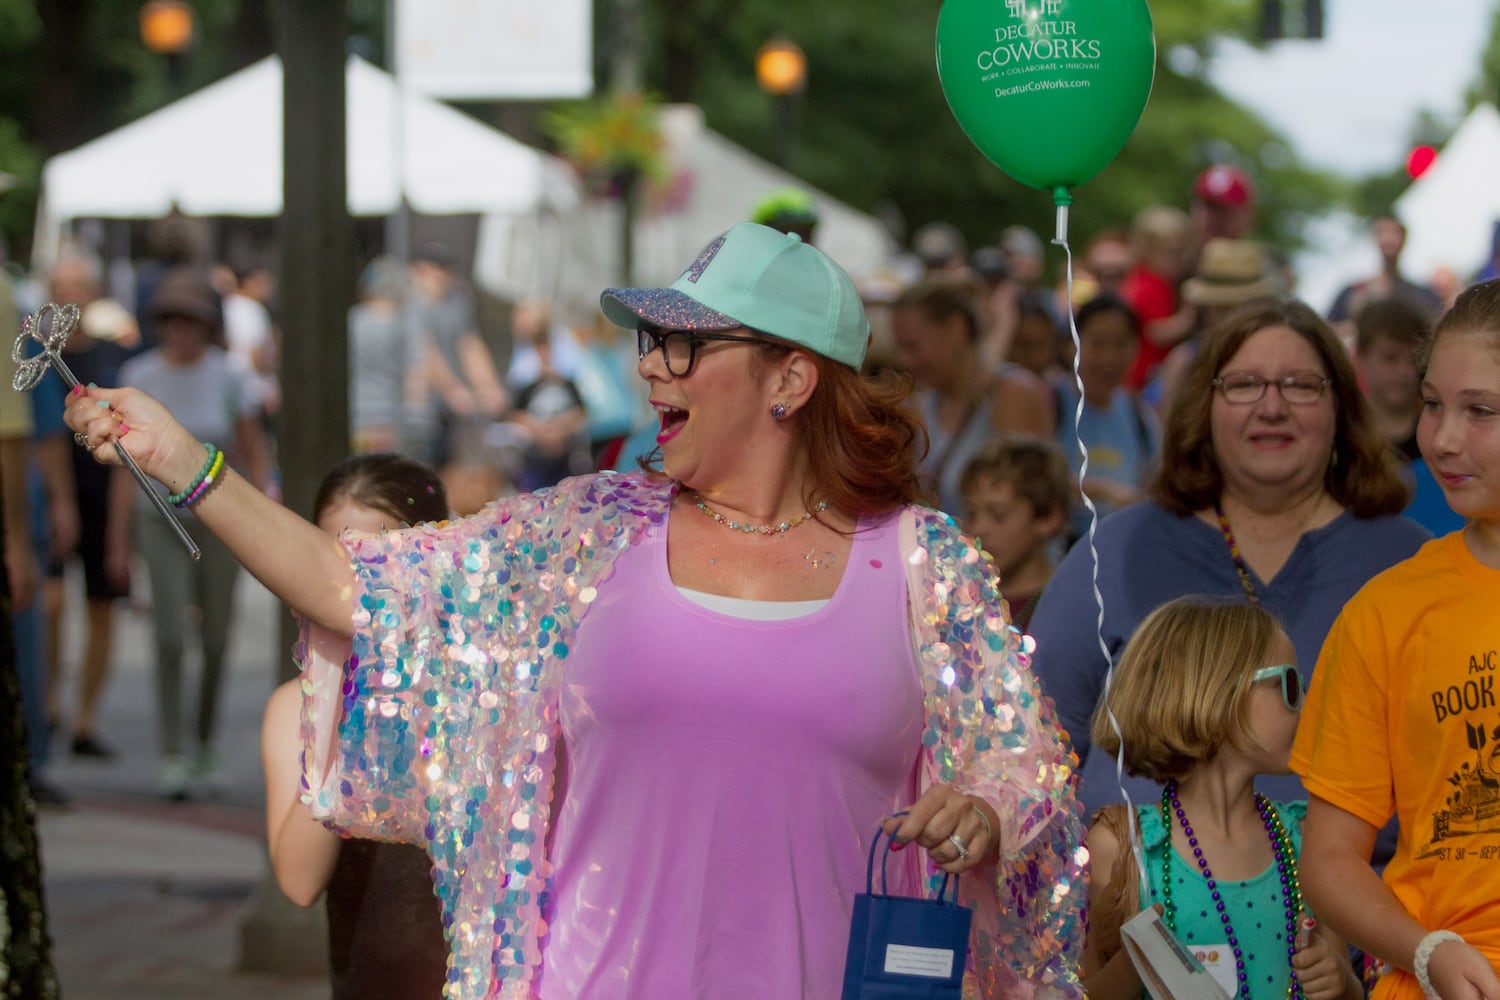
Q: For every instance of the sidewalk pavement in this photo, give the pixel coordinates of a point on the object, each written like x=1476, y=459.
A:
x=149, y=899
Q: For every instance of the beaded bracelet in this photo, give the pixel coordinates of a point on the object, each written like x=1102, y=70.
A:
x=1424, y=955
x=190, y=493
x=207, y=484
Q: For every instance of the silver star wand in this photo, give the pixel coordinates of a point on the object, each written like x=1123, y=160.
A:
x=50, y=326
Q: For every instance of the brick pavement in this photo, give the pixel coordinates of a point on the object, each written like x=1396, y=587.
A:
x=152, y=900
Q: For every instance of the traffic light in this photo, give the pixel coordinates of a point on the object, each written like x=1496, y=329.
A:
x=1291, y=19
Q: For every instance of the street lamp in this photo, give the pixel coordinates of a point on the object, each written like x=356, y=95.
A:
x=781, y=71
x=167, y=30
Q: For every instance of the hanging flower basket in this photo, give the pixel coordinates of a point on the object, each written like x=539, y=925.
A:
x=612, y=141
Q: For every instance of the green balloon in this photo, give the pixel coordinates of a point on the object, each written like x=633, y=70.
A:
x=1049, y=90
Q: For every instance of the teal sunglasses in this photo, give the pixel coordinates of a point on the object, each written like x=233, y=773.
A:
x=1291, y=683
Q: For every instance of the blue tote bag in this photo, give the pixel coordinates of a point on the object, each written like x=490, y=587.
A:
x=905, y=948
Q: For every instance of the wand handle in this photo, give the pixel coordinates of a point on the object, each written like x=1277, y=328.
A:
x=135, y=470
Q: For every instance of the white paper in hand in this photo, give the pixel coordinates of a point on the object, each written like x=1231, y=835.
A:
x=1168, y=970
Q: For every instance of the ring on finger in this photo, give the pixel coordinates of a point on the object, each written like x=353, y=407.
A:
x=80, y=439
x=958, y=843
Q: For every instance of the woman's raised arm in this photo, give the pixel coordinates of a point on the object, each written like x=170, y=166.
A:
x=296, y=561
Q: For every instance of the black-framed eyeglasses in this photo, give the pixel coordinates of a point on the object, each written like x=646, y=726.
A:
x=1299, y=390
x=1291, y=683
x=679, y=348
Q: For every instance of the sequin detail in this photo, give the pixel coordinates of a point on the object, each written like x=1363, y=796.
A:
x=991, y=731
x=448, y=718
x=671, y=310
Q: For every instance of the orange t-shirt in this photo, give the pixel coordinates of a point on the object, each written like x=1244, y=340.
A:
x=1404, y=717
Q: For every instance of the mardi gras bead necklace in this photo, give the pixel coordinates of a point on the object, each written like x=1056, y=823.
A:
x=1286, y=870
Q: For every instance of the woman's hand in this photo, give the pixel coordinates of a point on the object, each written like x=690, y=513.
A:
x=942, y=813
x=1459, y=971
x=161, y=446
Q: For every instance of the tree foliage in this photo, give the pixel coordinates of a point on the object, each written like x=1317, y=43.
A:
x=1487, y=86
x=874, y=129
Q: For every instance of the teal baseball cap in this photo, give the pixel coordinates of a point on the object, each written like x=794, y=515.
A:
x=756, y=277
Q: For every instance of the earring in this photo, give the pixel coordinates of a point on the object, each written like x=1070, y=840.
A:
x=778, y=410
x=1333, y=459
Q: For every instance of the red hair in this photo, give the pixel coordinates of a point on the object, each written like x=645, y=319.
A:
x=863, y=441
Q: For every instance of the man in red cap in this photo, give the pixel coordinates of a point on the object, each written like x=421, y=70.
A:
x=1223, y=204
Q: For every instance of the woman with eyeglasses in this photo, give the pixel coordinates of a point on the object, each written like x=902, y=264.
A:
x=1274, y=489
x=1205, y=698
x=648, y=725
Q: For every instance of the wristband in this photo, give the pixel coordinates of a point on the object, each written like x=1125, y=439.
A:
x=1423, y=955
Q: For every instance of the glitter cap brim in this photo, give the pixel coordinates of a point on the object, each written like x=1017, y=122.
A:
x=664, y=307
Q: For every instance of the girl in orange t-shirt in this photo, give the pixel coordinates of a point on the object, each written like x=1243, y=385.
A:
x=1402, y=717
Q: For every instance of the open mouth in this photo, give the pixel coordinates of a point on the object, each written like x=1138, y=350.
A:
x=672, y=420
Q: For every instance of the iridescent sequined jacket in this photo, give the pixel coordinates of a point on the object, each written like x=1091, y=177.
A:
x=441, y=727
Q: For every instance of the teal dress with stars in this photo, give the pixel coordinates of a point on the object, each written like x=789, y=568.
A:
x=1256, y=907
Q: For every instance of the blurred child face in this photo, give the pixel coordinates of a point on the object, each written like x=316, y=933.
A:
x=1107, y=349
x=1007, y=526
x=1272, y=724
x=1034, y=344
x=346, y=515
x=1390, y=374
x=1459, y=429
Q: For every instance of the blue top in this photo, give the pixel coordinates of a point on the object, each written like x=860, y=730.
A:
x=1429, y=507
x=1123, y=440
x=1148, y=556
x=1256, y=906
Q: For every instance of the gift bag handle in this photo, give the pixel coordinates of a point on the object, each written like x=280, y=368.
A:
x=884, y=890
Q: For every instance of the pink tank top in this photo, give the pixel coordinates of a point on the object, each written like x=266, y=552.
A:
x=720, y=781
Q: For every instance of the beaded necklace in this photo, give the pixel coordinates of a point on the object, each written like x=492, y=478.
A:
x=1286, y=868
x=763, y=529
x=1234, y=553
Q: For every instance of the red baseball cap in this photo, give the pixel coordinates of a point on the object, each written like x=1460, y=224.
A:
x=1222, y=184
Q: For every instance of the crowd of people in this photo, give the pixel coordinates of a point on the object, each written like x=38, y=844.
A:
x=635, y=666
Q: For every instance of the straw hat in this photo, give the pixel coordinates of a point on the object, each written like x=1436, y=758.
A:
x=1229, y=273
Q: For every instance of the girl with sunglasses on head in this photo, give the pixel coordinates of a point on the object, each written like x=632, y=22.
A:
x=1402, y=717
x=1206, y=697
x=632, y=716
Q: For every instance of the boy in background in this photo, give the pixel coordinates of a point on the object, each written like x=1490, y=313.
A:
x=1388, y=335
x=1015, y=501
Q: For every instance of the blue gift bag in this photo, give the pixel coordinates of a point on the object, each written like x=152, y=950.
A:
x=902, y=948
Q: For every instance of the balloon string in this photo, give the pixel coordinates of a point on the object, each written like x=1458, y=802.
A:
x=1136, y=850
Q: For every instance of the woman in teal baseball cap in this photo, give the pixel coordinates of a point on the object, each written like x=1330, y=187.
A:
x=649, y=724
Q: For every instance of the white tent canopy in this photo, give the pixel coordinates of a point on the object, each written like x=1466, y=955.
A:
x=219, y=152
x=719, y=184
x=1451, y=211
